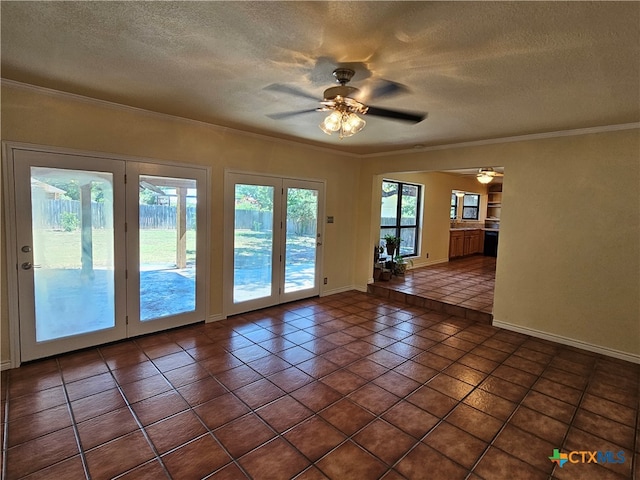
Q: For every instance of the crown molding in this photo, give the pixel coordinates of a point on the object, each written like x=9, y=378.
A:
x=412, y=151
x=166, y=116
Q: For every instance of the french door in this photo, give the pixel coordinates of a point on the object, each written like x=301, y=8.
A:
x=105, y=249
x=273, y=228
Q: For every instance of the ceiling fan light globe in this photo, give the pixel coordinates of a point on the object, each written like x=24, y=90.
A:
x=484, y=178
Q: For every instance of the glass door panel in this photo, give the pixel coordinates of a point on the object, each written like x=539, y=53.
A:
x=166, y=215
x=167, y=247
x=301, y=239
x=253, y=242
x=70, y=281
x=72, y=228
x=272, y=227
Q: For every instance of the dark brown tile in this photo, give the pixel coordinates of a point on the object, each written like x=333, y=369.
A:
x=259, y=393
x=244, y=434
x=450, y=386
x=145, y=388
x=491, y=404
x=609, y=409
x=269, y=365
x=413, y=420
x=367, y=369
x=425, y=459
x=605, y=428
x=238, y=377
x=103, y=402
x=314, y=437
x=196, y=459
x=185, y=375
x=174, y=431
x=70, y=469
x=396, y=383
x=284, y=413
x=373, y=398
x=346, y=416
x=577, y=437
x=550, y=406
x=38, y=424
x=90, y=385
x=316, y=396
x=558, y=390
x=173, y=361
x=343, y=381
x=106, y=427
x=275, y=460
x=290, y=379
x=539, y=425
x=526, y=447
x=503, y=388
x=498, y=464
x=118, y=456
x=41, y=452
x=36, y=402
x=350, y=462
x=136, y=372
x=201, y=391
x=432, y=401
x=318, y=367
x=151, y=470
x=221, y=410
x=475, y=422
x=456, y=444
x=384, y=441
x=161, y=406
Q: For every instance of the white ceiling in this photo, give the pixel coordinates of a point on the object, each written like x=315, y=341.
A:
x=482, y=70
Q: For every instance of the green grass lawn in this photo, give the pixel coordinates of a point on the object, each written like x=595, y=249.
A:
x=59, y=249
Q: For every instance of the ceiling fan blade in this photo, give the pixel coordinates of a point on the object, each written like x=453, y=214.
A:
x=386, y=88
x=279, y=87
x=412, y=117
x=281, y=115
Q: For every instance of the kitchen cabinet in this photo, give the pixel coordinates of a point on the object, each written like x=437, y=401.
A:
x=465, y=242
x=456, y=244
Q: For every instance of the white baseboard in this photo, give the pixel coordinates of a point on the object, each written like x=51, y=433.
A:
x=629, y=357
x=216, y=318
x=327, y=292
x=5, y=365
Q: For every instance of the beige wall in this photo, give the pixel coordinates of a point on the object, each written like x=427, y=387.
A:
x=569, y=260
x=569, y=246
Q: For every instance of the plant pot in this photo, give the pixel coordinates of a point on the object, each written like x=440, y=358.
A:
x=377, y=272
x=385, y=276
x=391, y=249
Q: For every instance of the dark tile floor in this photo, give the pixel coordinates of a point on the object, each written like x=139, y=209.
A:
x=348, y=386
x=462, y=287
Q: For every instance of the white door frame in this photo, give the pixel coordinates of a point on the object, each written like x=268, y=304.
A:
x=11, y=244
x=279, y=214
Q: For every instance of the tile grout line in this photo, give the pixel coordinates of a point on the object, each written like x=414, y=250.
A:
x=5, y=430
x=76, y=433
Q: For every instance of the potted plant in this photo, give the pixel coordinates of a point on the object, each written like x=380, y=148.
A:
x=392, y=242
x=400, y=265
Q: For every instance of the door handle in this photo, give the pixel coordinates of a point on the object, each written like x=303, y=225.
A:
x=318, y=243
x=28, y=266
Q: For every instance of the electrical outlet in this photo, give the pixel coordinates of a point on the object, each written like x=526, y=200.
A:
x=325, y=280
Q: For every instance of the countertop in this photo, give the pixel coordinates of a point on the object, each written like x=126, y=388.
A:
x=474, y=228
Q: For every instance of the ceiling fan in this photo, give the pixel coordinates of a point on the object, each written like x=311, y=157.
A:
x=345, y=108
x=487, y=174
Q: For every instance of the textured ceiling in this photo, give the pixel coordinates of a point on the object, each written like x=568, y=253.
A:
x=482, y=70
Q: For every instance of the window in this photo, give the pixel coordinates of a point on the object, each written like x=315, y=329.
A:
x=399, y=214
x=454, y=206
x=470, y=206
